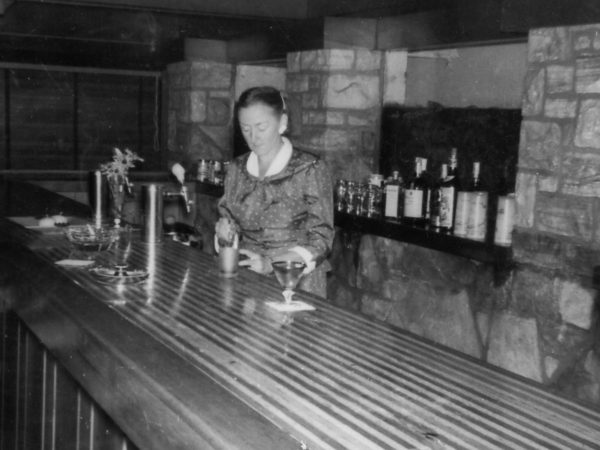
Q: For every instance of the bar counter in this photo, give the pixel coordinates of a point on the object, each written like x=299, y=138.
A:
x=189, y=359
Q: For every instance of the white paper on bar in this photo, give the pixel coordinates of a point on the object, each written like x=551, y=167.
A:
x=75, y=262
x=293, y=306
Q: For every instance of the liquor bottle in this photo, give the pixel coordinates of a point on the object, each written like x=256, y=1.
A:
x=393, y=197
x=449, y=191
x=427, y=182
x=415, y=197
x=435, y=219
x=478, y=205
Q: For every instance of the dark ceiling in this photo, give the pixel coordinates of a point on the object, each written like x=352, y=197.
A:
x=148, y=34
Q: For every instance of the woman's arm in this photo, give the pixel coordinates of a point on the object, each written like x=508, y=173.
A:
x=318, y=195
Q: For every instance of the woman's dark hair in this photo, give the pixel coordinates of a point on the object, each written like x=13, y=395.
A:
x=266, y=95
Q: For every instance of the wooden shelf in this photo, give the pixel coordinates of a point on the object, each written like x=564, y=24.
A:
x=486, y=252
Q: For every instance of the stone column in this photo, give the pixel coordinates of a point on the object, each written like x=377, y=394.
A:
x=200, y=105
x=335, y=99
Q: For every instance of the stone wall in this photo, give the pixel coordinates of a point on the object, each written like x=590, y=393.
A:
x=199, y=110
x=335, y=98
x=541, y=321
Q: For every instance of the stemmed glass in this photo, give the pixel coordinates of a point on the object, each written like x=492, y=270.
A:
x=288, y=274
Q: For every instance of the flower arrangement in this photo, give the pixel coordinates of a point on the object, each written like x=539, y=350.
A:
x=116, y=173
x=226, y=233
x=117, y=170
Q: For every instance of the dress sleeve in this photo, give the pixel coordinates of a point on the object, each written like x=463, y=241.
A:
x=229, y=185
x=319, y=222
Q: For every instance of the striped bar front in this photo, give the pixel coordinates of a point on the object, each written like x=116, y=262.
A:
x=332, y=378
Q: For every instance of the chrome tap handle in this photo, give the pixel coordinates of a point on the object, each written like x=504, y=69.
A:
x=186, y=200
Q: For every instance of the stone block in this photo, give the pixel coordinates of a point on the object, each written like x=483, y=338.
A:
x=335, y=118
x=293, y=60
x=368, y=140
x=547, y=183
x=431, y=266
x=367, y=60
x=586, y=40
x=533, y=101
x=444, y=316
x=184, y=109
x=560, y=79
x=525, y=199
x=540, y=145
x=210, y=142
x=576, y=304
x=550, y=366
x=565, y=215
x=514, y=346
x=297, y=83
x=560, y=108
x=342, y=295
x=541, y=250
x=212, y=75
x=220, y=94
x=362, y=118
x=361, y=165
x=581, y=174
x=394, y=76
x=535, y=294
x=311, y=100
x=352, y=91
x=313, y=117
x=330, y=139
x=314, y=81
x=587, y=76
x=377, y=307
x=198, y=106
x=483, y=319
x=218, y=111
x=370, y=274
x=587, y=133
x=327, y=60
x=179, y=75
x=548, y=44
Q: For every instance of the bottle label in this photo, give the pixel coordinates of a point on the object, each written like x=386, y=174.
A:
x=477, y=220
x=447, y=207
x=413, y=203
x=462, y=213
x=505, y=221
x=392, y=193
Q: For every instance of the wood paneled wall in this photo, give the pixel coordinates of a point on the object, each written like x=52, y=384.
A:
x=41, y=406
x=69, y=120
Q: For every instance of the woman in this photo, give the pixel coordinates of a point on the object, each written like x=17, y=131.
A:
x=280, y=198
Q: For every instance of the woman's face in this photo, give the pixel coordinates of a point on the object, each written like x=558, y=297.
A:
x=262, y=128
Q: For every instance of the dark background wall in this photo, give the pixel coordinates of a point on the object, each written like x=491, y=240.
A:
x=69, y=120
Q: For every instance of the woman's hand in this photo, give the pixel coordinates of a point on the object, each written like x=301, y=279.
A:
x=256, y=262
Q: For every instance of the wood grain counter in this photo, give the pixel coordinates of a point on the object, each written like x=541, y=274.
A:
x=189, y=359
x=202, y=362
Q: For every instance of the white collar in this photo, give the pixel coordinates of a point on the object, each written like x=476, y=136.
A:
x=277, y=165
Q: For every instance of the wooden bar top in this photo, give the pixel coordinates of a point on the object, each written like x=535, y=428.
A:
x=329, y=378
x=189, y=359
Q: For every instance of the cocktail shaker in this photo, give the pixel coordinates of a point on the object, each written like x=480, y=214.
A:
x=153, y=213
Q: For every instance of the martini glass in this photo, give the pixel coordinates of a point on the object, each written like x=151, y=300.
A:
x=288, y=274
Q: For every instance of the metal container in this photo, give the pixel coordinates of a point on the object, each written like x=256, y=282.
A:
x=340, y=195
x=351, y=194
x=153, y=213
x=217, y=173
x=203, y=171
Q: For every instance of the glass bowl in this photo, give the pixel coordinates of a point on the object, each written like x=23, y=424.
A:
x=91, y=239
